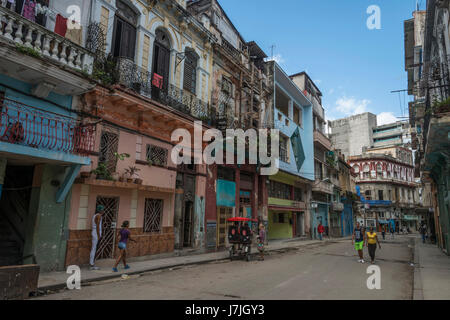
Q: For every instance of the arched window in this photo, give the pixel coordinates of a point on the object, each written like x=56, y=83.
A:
x=161, y=60
x=190, y=71
x=124, y=36
x=356, y=168
x=379, y=168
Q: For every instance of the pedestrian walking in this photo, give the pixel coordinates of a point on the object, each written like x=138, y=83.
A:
x=383, y=232
x=392, y=233
x=358, y=241
x=261, y=240
x=96, y=233
x=320, y=230
x=423, y=232
x=372, y=241
x=124, y=235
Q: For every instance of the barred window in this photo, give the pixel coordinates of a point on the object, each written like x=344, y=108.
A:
x=280, y=190
x=153, y=215
x=157, y=155
x=284, y=149
x=109, y=143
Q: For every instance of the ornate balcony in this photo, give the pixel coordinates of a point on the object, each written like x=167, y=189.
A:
x=42, y=58
x=140, y=80
x=28, y=126
x=41, y=41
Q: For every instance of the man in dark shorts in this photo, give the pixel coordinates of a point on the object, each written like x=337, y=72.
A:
x=358, y=241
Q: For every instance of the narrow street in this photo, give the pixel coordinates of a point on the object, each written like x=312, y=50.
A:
x=326, y=271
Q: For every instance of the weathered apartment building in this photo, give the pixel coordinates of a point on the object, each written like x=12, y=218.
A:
x=43, y=142
x=288, y=192
x=88, y=121
x=326, y=202
x=427, y=52
x=385, y=177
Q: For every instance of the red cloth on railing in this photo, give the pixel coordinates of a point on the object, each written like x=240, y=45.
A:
x=157, y=81
x=61, y=25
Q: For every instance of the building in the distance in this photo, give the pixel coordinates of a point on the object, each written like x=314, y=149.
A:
x=392, y=134
x=385, y=181
x=350, y=135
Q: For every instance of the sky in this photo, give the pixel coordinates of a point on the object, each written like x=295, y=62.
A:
x=354, y=67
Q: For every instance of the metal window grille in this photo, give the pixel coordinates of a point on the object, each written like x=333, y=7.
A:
x=153, y=215
x=109, y=144
x=283, y=150
x=105, y=248
x=279, y=190
x=157, y=155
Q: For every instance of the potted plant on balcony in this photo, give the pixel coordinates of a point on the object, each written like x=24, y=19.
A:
x=102, y=172
x=130, y=172
x=138, y=180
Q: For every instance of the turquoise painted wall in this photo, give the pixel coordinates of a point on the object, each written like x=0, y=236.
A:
x=48, y=221
x=51, y=105
x=226, y=193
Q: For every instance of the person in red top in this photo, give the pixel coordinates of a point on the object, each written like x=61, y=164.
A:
x=320, y=230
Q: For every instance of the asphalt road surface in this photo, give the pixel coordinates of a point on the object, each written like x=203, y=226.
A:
x=325, y=271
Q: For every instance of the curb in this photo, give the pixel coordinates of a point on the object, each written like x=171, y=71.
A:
x=55, y=287
x=417, y=282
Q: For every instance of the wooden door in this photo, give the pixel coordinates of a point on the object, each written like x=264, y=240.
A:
x=223, y=213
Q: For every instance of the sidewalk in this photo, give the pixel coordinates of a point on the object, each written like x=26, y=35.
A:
x=432, y=272
x=57, y=280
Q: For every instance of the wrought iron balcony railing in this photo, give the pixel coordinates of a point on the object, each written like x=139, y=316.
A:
x=140, y=80
x=33, y=127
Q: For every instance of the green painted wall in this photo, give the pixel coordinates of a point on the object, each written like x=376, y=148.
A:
x=279, y=230
x=46, y=231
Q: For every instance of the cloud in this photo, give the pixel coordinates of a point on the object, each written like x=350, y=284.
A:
x=317, y=82
x=277, y=58
x=386, y=118
x=352, y=106
x=331, y=91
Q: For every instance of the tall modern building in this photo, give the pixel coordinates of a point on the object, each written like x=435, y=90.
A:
x=353, y=135
x=350, y=135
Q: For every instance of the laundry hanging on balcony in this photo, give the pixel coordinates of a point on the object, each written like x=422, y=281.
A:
x=61, y=25
x=29, y=10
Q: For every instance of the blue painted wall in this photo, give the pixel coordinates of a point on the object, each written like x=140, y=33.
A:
x=319, y=215
x=13, y=90
x=51, y=107
x=347, y=220
x=306, y=135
